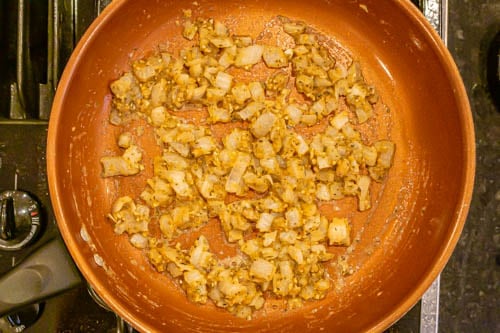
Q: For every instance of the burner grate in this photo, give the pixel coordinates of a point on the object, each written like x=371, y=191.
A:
x=38, y=41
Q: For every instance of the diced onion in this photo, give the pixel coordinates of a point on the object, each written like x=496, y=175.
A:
x=249, y=55
x=262, y=125
x=242, y=154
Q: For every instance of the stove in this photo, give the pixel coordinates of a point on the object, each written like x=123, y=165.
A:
x=37, y=38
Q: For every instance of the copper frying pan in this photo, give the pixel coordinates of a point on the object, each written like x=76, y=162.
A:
x=402, y=243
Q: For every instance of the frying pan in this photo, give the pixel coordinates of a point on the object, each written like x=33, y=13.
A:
x=400, y=245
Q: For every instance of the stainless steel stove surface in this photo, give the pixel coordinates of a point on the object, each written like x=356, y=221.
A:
x=36, y=40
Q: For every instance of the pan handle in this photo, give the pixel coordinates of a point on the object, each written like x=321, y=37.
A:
x=45, y=273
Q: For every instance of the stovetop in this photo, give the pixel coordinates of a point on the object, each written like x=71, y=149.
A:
x=469, y=294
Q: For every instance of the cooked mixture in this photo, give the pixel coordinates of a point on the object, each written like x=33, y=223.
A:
x=263, y=179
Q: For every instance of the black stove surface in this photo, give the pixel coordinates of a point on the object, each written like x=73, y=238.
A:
x=469, y=284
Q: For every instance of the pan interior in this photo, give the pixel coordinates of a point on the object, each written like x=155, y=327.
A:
x=400, y=244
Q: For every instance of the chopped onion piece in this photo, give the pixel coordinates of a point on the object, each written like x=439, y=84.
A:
x=339, y=232
x=262, y=125
x=249, y=55
x=274, y=57
x=223, y=81
x=262, y=270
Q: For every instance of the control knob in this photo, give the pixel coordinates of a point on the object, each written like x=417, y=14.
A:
x=19, y=219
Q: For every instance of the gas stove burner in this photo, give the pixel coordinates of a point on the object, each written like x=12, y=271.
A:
x=121, y=325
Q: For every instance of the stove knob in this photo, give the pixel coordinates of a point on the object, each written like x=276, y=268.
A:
x=24, y=318
x=19, y=220
x=7, y=219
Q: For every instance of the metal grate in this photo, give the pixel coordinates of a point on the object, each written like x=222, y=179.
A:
x=38, y=42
